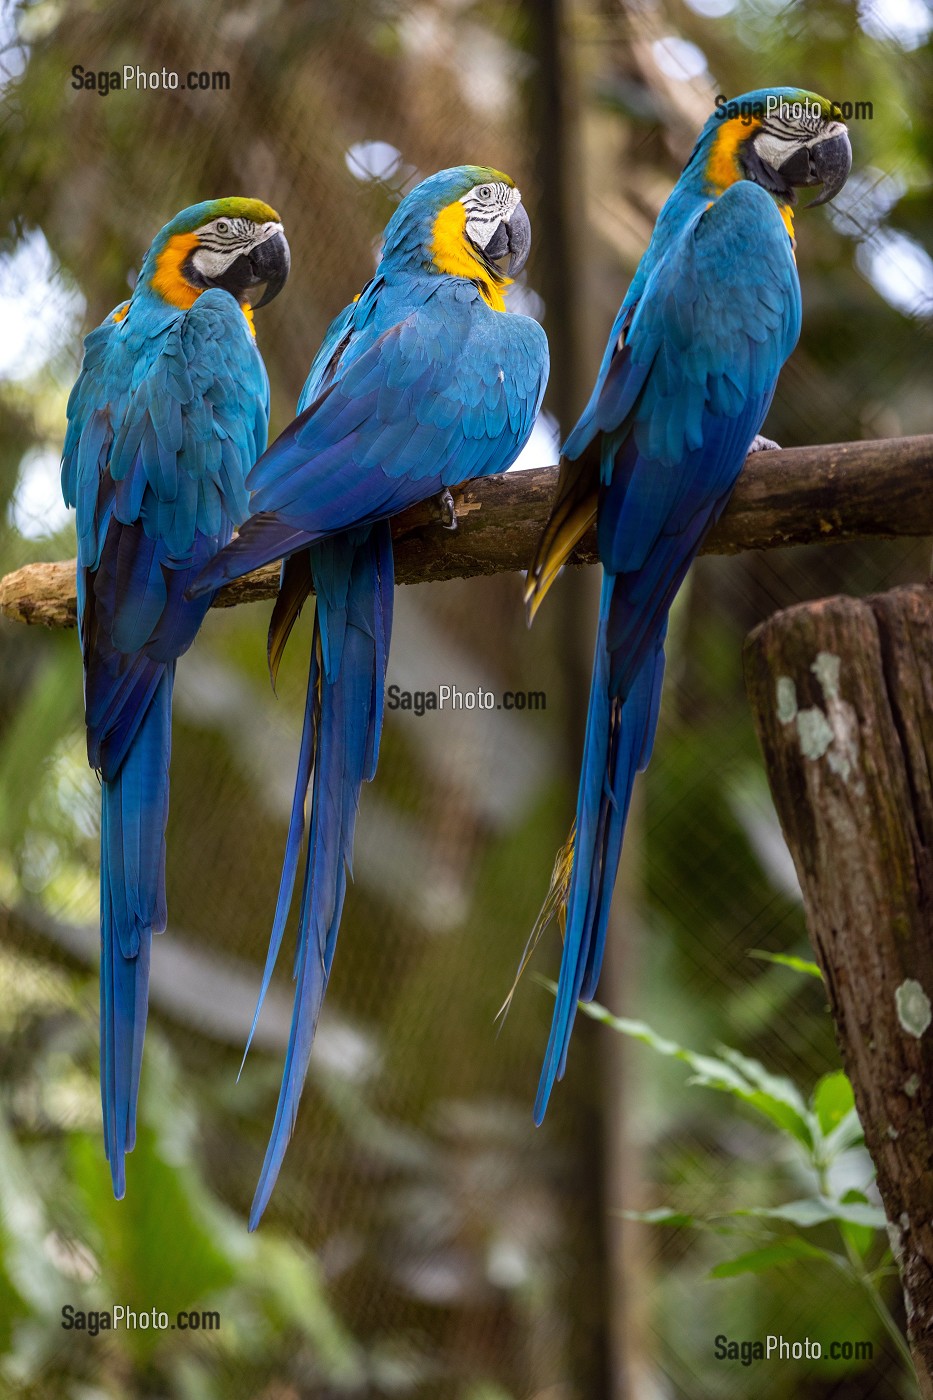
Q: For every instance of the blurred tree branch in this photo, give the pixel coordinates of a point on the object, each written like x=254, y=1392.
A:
x=803, y=495
x=213, y=993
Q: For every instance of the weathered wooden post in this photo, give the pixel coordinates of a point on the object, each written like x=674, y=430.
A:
x=842, y=693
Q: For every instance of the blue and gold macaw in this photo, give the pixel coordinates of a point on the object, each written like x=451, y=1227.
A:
x=421, y=383
x=685, y=383
x=169, y=412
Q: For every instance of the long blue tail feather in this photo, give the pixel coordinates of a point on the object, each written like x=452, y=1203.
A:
x=353, y=575
x=296, y=830
x=619, y=736
x=134, y=811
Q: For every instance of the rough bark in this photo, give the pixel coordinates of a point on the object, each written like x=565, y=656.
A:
x=842, y=692
x=803, y=495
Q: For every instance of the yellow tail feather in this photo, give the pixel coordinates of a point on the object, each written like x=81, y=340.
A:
x=296, y=585
x=572, y=514
x=555, y=903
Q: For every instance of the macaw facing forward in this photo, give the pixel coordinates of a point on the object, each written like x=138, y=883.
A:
x=169, y=412
x=421, y=384
x=685, y=383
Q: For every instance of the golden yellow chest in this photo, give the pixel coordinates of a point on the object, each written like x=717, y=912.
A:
x=452, y=253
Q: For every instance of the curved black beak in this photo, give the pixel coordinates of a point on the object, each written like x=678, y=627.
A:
x=519, y=240
x=827, y=162
x=833, y=161
x=270, y=262
x=512, y=238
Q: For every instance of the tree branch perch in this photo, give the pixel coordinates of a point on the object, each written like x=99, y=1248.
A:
x=803, y=495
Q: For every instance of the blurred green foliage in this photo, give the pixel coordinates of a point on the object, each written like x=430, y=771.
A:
x=821, y=1135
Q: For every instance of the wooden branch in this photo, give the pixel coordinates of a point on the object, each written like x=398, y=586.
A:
x=842, y=692
x=803, y=495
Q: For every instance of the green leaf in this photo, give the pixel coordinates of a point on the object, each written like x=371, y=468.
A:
x=817, y=1210
x=832, y=1100
x=860, y=1237
x=846, y=1134
x=810, y=969
x=771, y=1256
x=777, y=1099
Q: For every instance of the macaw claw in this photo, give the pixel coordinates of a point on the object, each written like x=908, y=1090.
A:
x=447, y=511
x=763, y=444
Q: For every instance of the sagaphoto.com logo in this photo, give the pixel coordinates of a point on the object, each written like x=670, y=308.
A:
x=451, y=697
x=727, y=109
x=132, y=78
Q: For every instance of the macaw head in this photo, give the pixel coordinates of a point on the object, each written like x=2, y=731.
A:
x=235, y=244
x=781, y=138
x=462, y=222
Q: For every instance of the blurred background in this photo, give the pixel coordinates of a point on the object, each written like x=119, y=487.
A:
x=425, y=1240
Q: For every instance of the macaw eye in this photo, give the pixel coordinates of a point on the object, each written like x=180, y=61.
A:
x=222, y=226
x=484, y=192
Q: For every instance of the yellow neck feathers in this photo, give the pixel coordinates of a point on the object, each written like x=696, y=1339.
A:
x=453, y=253
x=170, y=282
x=722, y=164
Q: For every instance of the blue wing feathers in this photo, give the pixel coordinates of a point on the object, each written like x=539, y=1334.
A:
x=423, y=404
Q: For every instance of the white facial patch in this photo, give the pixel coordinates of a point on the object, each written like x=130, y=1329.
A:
x=222, y=241
x=783, y=134
x=774, y=147
x=488, y=206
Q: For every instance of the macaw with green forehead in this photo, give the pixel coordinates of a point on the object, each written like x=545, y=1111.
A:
x=168, y=414
x=422, y=383
x=685, y=383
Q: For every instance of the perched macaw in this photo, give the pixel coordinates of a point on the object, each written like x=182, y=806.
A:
x=685, y=383
x=421, y=383
x=169, y=412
